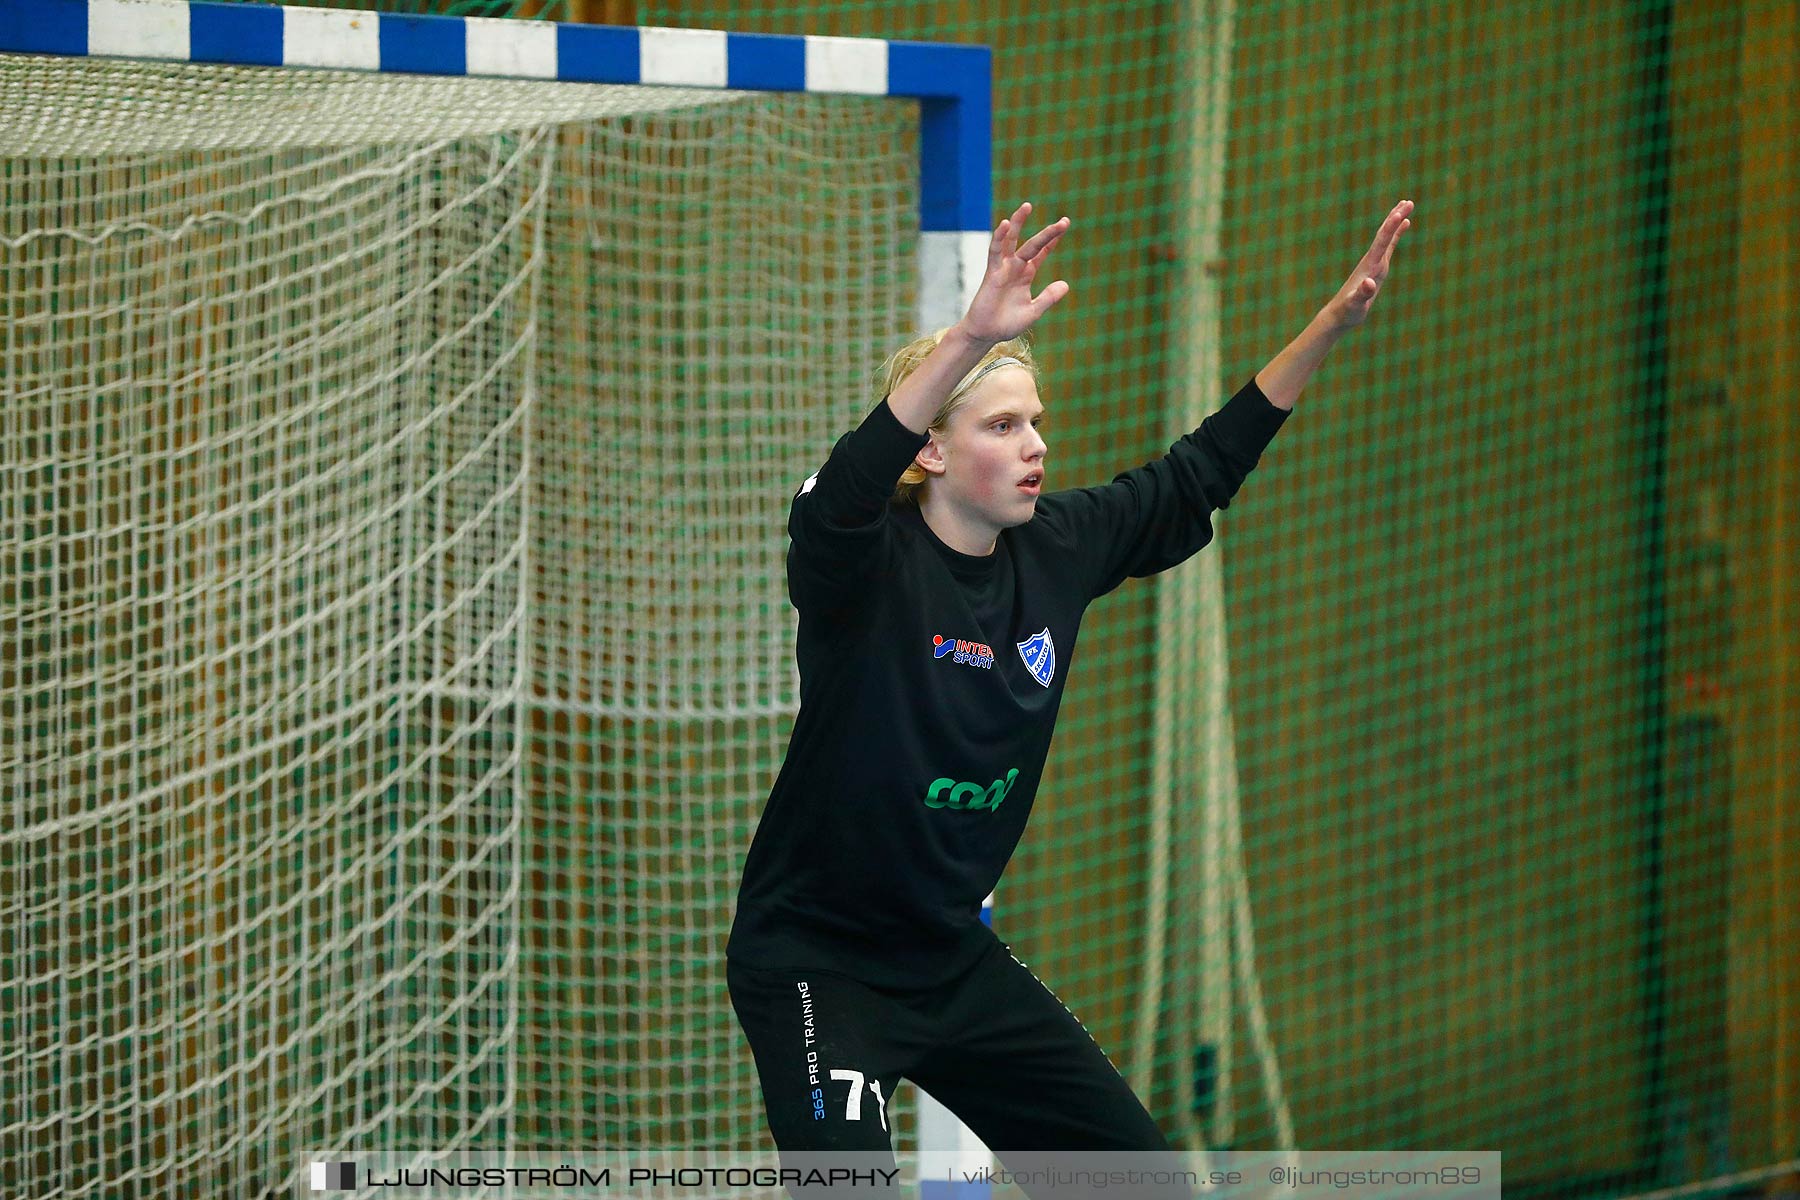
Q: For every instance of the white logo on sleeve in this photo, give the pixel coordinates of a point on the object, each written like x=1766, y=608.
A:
x=808, y=485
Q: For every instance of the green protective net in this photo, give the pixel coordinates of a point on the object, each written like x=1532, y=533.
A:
x=396, y=654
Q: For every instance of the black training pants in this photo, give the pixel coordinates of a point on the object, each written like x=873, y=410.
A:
x=994, y=1046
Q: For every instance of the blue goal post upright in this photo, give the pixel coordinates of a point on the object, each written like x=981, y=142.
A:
x=314, y=713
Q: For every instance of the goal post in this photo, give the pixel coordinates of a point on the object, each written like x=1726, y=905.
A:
x=399, y=415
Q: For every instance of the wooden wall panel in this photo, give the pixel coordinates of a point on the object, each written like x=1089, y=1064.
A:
x=1765, y=966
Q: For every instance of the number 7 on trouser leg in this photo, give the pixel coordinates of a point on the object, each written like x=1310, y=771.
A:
x=829, y=1052
x=853, y=1104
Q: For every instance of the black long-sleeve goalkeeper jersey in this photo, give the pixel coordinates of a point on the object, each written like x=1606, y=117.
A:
x=929, y=686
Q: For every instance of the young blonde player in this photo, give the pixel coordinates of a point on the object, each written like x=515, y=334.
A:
x=940, y=591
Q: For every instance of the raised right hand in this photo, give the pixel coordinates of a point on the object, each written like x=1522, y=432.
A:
x=1003, y=306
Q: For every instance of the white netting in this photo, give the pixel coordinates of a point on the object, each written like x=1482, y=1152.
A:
x=393, y=649
x=77, y=108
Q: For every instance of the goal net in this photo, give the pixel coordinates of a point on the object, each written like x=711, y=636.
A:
x=395, y=653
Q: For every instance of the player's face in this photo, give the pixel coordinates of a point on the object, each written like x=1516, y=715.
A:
x=994, y=451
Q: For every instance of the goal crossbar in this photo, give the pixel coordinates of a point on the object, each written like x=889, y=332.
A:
x=952, y=83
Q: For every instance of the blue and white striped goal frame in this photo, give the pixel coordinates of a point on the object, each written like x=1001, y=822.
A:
x=953, y=83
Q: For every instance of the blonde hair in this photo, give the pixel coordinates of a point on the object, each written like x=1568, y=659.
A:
x=906, y=360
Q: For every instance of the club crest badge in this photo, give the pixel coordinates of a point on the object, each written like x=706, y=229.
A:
x=1039, y=653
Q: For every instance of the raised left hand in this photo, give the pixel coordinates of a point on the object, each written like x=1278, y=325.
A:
x=1350, y=307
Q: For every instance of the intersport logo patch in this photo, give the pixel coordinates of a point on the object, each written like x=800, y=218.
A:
x=961, y=650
